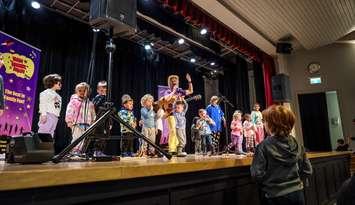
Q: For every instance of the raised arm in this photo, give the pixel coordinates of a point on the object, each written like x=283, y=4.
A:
x=190, y=89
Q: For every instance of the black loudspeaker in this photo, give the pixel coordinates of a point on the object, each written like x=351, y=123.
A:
x=118, y=14
x=30, y=148
x=284, y=48
x=281, y=88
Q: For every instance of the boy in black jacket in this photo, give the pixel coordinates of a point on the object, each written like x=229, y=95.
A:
x=280, y=162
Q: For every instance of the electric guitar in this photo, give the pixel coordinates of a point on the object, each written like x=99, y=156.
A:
x=168, y=106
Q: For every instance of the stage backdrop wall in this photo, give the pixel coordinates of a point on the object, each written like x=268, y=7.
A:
x=66, y=47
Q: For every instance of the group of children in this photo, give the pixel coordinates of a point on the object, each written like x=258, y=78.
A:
x=206, y=129
x=251, y=131
x=81, y=113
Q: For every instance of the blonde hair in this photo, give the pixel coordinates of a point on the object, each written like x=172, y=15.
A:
x=237, y=112
x=214, y=98
x=83, y=85
x=280, y=120
x=171, y=77
x=145, y=98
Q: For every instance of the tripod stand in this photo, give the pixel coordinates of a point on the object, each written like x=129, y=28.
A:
x=109, y=115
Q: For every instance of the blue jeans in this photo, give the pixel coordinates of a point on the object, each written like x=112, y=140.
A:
x=207, y=142
x=293, y=198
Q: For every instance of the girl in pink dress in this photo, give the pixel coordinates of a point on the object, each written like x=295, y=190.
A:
x=236, y=133
x=80, y=113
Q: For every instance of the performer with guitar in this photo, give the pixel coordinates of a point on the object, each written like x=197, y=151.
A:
x=173, y=94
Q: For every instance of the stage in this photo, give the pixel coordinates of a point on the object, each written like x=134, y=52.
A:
x=215, y=180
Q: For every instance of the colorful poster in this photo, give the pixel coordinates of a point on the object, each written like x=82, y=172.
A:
x=19, y=65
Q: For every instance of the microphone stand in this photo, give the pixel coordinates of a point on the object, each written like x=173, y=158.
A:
x=226, y=103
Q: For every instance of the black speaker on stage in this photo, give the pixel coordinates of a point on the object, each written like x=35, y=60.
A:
x=284, y=48
x=30, y=148
x=118, y=14
x=281, y=88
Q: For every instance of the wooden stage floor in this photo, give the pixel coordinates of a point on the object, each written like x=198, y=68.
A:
x=17, y=176
x=215, y=180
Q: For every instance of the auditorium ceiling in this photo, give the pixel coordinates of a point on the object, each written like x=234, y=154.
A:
x=307, y=23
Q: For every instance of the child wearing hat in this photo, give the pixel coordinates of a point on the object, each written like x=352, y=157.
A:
x=126, y=113
x=217, y=115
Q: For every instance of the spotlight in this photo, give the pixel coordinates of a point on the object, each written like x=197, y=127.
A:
x=203, y=31
x=181, y=41
x=96, y=30
x=35, y=4
x=147, y=47
x=212, y=63
x=152, y=44
x=192, y=60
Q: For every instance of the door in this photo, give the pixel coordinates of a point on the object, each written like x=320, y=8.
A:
x=314, y=121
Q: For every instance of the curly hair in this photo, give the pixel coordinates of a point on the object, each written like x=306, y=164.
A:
x=145, y=98
x=279, y=119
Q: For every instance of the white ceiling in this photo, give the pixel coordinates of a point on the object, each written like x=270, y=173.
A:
x=311, y=23
x=221, y=13
x=305, y=23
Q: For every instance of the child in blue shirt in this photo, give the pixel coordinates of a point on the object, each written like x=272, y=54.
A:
x=215, y=112
x=148, y=121
x=180, y=109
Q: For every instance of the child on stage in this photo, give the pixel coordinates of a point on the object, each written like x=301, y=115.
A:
x=203, y=124
x=217, y=115
x=159, y=114
x=180, y=109
x=257, y=119
x=195, y=136
x=50, y=104
x=80, y=113
x=100, y=99
x=148, y=121
x=237, y=133
x=126, y=113
x=249, y=133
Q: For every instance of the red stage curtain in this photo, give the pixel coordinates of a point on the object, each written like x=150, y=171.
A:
x=268, y=71
x=195, y=16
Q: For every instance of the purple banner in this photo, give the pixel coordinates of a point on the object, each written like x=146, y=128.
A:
x=19, y=65
x=165, y=135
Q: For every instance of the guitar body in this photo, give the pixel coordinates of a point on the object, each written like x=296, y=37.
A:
x=168, y=106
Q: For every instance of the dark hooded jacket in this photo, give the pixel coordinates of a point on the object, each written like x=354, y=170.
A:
x=279, y=164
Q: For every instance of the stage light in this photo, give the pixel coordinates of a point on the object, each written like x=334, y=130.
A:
x=96, y=30
x=203, y=31
x=35, y=4
x=212, y=63
x=152, y=44
x=147, y=47
x=181, y=41
x=192, y=60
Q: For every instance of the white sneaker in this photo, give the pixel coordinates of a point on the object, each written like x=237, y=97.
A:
x=182, y=154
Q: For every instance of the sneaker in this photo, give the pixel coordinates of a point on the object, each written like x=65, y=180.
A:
x=241, y=153
x=182, y=154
